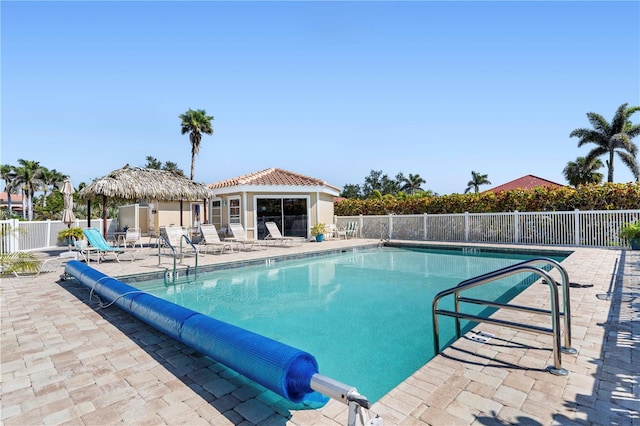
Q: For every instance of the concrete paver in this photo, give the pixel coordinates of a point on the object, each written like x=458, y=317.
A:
x=64, y=362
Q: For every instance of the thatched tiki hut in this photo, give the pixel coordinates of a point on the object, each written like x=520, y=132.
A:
x=152, y=186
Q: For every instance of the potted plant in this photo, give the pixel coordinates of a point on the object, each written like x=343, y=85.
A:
x=318, y=231
x=631, y=232
x=71, y=235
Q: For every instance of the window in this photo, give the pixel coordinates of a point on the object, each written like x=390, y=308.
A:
x=289, y=214
x=216, y=213
x=234, y=210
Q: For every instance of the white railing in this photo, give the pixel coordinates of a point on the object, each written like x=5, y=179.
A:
x=18, y=235
x=573, y=228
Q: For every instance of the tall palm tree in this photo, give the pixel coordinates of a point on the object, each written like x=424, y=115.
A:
x=477, y=179
x=411, y=184
x=612, y=138
x=195, y=123
x=8, y=174
x=580, y=172
x=28, y=178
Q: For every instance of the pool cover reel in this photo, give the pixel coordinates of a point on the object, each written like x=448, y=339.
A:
x=283, y=369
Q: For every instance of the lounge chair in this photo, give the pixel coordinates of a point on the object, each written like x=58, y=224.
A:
x=177, y=238
x=211, y=239
x=240, y=237
x=48, y=265
x=153, y=235
x=276, y=235
x=99, y=244
x=132, y=237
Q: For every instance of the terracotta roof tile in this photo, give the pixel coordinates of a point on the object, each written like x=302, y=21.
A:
x=14, y=198
x=525, y=182
x=271, y=177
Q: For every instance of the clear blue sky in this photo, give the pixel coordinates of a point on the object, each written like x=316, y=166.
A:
x=331, y=90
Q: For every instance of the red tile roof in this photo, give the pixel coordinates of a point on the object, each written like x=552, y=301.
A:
x=272, y=177
x=14, y=198
x=525, y=182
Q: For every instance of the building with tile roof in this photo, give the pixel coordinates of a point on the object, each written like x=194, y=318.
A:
x=525, y=182
x=294, y=201
x=16, y=202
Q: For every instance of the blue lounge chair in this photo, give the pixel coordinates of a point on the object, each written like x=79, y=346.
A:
x=97, y=241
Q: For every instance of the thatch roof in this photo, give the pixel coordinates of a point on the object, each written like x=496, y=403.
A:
x=134, y=183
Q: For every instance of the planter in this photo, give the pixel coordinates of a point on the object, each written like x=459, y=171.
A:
x=320, y=237
x=635, y=243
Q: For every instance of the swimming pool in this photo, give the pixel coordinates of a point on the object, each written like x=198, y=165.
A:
x=365, y=315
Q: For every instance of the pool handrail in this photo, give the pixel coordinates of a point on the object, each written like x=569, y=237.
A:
x=174, y=274
x=518, y=268
x=566, y=300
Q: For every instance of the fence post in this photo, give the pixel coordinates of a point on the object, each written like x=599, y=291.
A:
x=516, y=226
x=576, y=222
x=359, y=234
x=48, y=234
x=14, y=241
x=424, y=226
x=390, y=231
x=466, y=226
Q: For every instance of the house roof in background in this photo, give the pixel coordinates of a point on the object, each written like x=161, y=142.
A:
x=525, y=182
x=14, y=198
x=272, y=177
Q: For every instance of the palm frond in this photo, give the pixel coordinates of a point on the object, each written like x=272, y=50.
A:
x=19, y=262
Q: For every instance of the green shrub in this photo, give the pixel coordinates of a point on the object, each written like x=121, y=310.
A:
x=609, y=196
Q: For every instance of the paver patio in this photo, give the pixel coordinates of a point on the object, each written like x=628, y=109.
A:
x=64, y=362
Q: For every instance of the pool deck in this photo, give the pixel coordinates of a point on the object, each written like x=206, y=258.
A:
x=65, y=362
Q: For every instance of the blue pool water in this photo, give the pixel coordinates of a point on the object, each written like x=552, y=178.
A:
x=364, y=315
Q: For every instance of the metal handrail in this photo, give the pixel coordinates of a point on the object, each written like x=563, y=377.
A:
x=518, y=268
x=566, y=301
x=173, y=250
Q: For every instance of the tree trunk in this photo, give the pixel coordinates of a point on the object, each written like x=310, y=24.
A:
x=610, y=176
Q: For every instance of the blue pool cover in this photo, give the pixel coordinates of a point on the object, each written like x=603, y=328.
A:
x=283, y=369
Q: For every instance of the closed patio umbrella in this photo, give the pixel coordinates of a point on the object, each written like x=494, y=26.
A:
x=67, y=192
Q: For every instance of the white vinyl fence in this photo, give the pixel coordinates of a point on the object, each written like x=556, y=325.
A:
x=574, y=228
x=18, y=235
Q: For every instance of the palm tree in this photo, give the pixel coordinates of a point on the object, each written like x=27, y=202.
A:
x=50, y=178
x=170, y=166
x=411, y=184
x=8, y=174
x=580, y=172
x=477, y=179
x=612, y=138
x=195, y=123
x=28, y=178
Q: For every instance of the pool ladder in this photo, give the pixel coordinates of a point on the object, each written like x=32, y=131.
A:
x=555, y=313
x=174, y=273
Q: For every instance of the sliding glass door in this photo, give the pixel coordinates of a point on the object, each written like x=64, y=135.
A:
x=290, y=214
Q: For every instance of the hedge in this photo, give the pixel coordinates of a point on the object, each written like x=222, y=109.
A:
x=609, y=196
